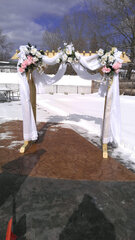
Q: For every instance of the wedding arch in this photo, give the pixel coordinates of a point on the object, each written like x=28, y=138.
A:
x=31, y=64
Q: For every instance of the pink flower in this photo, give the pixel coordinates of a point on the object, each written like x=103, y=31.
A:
x=106, y=70
x=21, y=70
x=29, y=62
x=24, y=64
x=29, y=57
x=117, y=65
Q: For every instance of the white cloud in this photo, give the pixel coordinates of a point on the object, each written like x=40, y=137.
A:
x=31, y=8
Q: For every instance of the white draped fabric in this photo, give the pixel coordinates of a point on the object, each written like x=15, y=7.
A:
x=83, y=73
x=115, y=117
x=51, y=61
x=91, y=63
x=111, y=129
x=29, y=125
x=43, y=79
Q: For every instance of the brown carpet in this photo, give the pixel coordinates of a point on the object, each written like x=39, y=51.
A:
x=60, y=153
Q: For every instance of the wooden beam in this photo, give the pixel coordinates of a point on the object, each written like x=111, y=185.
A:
x=123, y=56
x=15, y=56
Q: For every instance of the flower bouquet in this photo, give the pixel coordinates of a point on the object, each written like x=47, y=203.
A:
x=31, y=58
x=68, y=54
x=109, y=61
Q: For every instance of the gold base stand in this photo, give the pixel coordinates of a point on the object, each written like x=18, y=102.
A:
x=25, y=146
x=105, y=152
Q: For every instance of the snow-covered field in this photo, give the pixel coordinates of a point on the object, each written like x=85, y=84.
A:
x=84, y=114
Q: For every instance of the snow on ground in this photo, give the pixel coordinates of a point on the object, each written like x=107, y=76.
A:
x=87, y=112
x=84, y=114
x=78, y=110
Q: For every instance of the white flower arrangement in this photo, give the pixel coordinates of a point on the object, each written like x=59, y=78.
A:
x=109, y=62
x=68, y=54
x=31, y=58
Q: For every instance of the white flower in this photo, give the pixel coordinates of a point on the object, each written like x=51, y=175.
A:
x=64, y=57
x=33, y=51
x=35, y=59
x=77, y=55
x=111, y=58
x=108, y=54
x=104, y=58
x=103, y=63
x=38, y=54
x=100, y=52
x=65, y=44
x=57, y=60
x=69, y=59
x=68, y=51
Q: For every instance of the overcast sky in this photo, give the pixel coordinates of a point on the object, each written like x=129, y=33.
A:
x=25, y=20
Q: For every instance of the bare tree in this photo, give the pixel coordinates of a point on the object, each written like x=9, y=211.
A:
x=74, y=28
x=51, y=40
x=94, y=45
x=5, y=47
x=115, y=25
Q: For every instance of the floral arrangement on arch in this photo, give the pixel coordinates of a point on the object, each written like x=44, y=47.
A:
x=32, y=58
x=109, y=61
x=68, y=54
